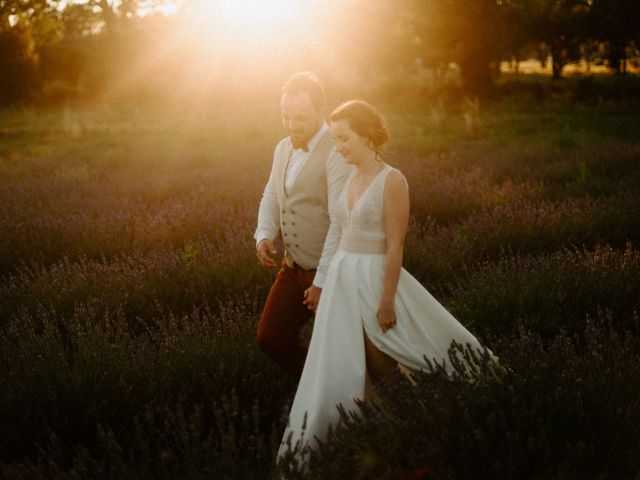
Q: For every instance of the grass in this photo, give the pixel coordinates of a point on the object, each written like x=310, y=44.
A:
x=129, y=289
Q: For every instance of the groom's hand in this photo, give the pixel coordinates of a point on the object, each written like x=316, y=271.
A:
x=312, y=297
x=265, y=252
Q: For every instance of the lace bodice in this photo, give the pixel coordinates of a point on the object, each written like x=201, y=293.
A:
x=362, y=227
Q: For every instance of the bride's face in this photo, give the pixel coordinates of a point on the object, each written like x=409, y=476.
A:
x=349, y=144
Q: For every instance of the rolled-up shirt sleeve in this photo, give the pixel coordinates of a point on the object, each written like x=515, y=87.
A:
x=268, y=213
x=337, y=172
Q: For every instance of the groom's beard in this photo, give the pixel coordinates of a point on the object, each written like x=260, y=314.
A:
x=303, y=145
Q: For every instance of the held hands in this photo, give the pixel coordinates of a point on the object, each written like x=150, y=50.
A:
x=312, y=297
x=386, y=315
x=265, y=252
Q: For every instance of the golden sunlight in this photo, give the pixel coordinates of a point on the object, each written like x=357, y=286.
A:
x=246, y=45
x=255, y=23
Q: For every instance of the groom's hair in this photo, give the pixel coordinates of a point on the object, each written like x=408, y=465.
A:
x=305, y=82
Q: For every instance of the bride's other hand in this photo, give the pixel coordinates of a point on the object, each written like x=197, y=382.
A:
x=386, y=316
x=312, y=297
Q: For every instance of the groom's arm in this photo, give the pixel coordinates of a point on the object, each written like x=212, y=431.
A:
x=268, y=213
x=337, y=172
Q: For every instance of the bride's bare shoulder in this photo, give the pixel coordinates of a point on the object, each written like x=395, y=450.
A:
x=396, y=182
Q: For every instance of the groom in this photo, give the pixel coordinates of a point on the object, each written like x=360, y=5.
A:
x=306, y=178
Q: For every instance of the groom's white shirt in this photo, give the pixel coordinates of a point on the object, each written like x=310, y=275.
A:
x=299, y=157
x=269, y=211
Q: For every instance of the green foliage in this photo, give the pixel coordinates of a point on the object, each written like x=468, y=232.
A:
x=558, y=25
x=473, y=34
x=18, y=66
x=615, y=22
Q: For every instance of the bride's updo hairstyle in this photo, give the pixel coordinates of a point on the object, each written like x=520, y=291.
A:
x=365, y=120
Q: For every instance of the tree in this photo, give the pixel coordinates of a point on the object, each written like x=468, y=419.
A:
x=80, y=20
x=617, y=23
x=115, y=14
x=25, y=12
x=557, y=25
x=474, y=34
x=18, y=65
x=24, y=26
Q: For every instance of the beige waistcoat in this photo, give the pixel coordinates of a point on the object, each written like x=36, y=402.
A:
x=304, y=215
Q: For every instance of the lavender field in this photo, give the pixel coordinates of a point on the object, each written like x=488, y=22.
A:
x=130, y=293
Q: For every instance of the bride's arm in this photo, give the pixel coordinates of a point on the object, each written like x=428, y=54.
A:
x=396, y=221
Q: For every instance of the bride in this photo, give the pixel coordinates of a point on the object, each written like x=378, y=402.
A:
x=373, y=315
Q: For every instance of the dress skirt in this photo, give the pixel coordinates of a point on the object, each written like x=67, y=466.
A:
x=335, y=370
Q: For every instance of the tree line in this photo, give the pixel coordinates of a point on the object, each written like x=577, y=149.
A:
x=67, y=49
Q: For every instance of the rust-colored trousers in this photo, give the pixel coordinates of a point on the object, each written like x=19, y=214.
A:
x=283, y=317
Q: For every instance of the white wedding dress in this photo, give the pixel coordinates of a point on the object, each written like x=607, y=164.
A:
x=335, y=369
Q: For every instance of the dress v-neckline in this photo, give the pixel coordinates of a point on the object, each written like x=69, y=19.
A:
x=355, y=203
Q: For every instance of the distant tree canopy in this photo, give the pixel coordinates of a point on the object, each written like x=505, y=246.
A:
x=478, y=34
x=60, y=50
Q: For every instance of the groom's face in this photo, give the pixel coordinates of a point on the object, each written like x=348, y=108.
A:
x=300, y=117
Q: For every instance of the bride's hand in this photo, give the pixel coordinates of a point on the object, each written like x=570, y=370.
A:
x=312, y=297
x=386, y=316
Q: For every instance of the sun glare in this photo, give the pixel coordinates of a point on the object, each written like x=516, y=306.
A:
x=248, y=22
x=241, y=45
x=167, y=9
